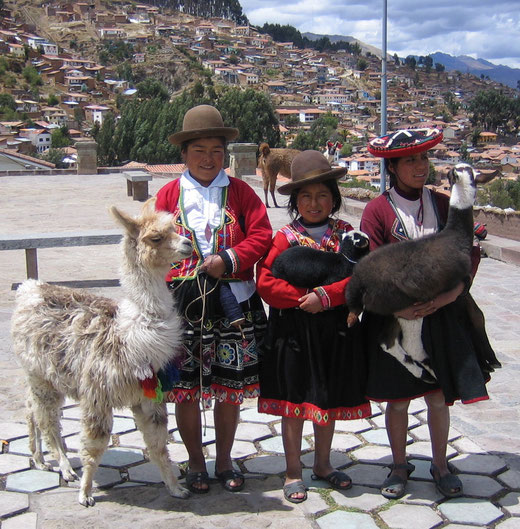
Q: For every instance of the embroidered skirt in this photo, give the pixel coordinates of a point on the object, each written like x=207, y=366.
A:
x=312, y=367
x=229, y=367
x=459, y=351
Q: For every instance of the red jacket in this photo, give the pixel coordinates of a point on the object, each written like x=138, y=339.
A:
x=241, y=240
x=380, y=223
x=282, y=295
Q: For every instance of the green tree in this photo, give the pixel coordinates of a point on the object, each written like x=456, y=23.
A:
x=31, y=75
x=106, y=152
x=253, y=113
x=346, y=150
x=451, y=102
x=151, y=89
x=362, y=64
x=464, y=153
x=500, y=193
x=492, y=110
x=292, y=120
x=60, y=138
x=7, y=103
x=411, y=62
x=439, y=68
x=428, y=63
x=55, y=156
x=52, y=100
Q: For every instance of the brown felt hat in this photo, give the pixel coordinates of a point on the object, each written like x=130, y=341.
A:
x=310, y=167
x=202, y=121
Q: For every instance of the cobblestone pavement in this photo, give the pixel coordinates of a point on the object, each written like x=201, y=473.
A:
x=484, y=439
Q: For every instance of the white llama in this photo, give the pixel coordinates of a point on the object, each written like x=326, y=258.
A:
x=96, y=351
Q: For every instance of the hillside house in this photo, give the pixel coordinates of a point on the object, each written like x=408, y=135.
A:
x=95, y=113
x=40, y=138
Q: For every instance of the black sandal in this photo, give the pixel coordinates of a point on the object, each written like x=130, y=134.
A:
x=394, y=486
x=296, y=487
x=194, y=480
x=227, y=476
x=335, y=479
x=450, y=485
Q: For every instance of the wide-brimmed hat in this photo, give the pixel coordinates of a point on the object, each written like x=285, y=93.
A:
x=404, y=142
x=310, y=167
x=202, y=121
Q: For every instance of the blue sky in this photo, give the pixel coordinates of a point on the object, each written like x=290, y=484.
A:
x=487, y=29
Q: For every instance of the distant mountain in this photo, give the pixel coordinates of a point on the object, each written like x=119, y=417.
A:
x=463, y=63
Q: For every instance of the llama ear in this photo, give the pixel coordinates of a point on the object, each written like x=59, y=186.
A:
x=129, y=223
x=149, y=206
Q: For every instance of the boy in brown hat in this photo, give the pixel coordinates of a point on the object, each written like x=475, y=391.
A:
x=230, y=231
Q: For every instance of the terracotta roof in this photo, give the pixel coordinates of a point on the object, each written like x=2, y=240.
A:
x=174, y=168
x=16, y=154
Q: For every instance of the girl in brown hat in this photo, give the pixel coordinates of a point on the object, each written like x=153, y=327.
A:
x=230, y=231
x=410, y=210
x=311, y=366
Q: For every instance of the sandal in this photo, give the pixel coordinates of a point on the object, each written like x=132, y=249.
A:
x=227, y=476
x=394, y=486
x=294, y=488
x=194, y=480
x=450, y=485
x=335, y=479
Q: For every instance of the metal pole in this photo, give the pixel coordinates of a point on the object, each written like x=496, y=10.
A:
x=383, y=97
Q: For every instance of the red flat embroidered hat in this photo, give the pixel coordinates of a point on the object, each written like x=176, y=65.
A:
x=404, y=142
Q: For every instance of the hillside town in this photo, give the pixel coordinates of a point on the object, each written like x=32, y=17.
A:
x=75, y=84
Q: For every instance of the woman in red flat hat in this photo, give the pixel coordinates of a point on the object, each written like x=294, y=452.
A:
x=410, y=210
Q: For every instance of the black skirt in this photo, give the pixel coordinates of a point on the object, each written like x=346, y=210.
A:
x=460, y=355
x=312, y=367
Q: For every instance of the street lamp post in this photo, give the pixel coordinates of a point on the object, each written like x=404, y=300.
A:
x=383, y=97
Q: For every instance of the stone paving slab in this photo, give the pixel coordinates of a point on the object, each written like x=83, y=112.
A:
x=484, y=440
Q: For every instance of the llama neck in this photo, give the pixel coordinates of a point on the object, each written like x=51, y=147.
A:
x=460, y=214
x=146, y=288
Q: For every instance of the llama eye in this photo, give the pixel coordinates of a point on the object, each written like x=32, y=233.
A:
x=156, y=239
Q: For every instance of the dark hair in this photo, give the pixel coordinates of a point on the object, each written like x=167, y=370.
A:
x=184, y=144
x=332, y=186
x=393, y=176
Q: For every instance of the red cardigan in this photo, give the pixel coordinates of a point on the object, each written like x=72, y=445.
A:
x=380, y=223
x=282, y=295
x=241, y=241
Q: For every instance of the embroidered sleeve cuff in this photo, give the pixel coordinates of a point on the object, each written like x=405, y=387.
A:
x=324, y=297
x=230, y=260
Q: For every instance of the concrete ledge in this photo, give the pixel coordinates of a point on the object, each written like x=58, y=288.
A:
x=502, y=249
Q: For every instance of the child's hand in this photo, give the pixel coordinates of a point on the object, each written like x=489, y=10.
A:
x=311, y=303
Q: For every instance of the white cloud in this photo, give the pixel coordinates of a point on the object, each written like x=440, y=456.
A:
x=488, y=30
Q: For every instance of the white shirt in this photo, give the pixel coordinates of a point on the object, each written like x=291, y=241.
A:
x=203, y=212
x=416, y=224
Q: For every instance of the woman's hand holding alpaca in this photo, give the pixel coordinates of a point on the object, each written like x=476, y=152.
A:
x=311, y=303
x=214, y=266
x=422, y=309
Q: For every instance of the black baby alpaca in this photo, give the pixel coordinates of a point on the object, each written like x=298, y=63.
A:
x=306, y=267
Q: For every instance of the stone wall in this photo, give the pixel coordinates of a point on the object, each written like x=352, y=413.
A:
x=499, y=223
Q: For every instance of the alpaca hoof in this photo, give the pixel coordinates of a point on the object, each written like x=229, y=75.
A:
x=69, y=475
x=40, y=465
x=86, y=501
x=180, y=492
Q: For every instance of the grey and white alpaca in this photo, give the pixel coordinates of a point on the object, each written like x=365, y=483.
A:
x=306, y=267
x=96, y=351
x=396, y=276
